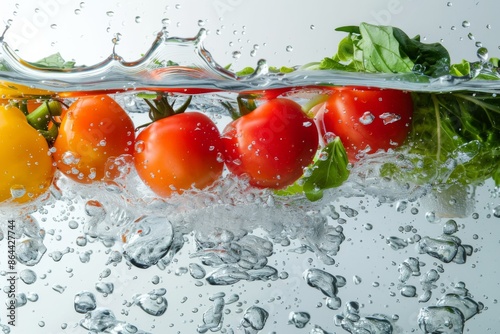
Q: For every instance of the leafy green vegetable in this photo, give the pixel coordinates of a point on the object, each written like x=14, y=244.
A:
x=328, y=171
x=272, y=69
x=385, y=49
x=54, y=61
x=455, y=138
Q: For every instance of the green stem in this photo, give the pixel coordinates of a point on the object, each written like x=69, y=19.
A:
x=51, y=134
x=306, y=108
x=438, y=126
x=43, y=115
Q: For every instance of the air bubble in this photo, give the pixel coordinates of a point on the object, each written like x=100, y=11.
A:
x=139, y=146
x=366, y=118
x=17, y=191
x=496, y=211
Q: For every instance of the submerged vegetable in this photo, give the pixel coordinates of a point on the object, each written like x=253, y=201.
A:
x=27, y=169
x=178, y=150
x=94, y=131
x=366, y=119
x=271, y=145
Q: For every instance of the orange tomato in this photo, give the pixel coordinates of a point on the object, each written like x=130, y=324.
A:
x=94, y=131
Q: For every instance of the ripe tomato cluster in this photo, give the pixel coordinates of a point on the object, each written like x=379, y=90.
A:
x=269, y=145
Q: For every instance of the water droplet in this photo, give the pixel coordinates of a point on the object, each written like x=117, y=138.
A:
x=138, y=19
x=110, y=13
x=236, y=54
x=196, y=271
x=482, y=54
x=289, y=48
x=139, y=146
x=28, y=276
x=389, y=118
x=323, y=156
x=431, y=217
x=470, y=36
x=69, y=158
x=366, y=118
x=496, y=211
x=58, y=288
x=201, y=23
x=449, y=4
x=299, y=319
x=152, y=303
x=84, y=302
x=450, y=227
x=312, y=27
x=53, y=26
x=466, y=24
x=17, y=191
x=105, y=287
x=255, y=317
x=408, y=291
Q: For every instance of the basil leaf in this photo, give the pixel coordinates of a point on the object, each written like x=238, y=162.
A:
x=327, y=173
x=380, y=50
x=433, y=58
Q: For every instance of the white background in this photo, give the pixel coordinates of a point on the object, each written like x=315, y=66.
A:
x=83, y=30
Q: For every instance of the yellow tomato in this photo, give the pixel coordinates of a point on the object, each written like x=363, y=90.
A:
x=10, y=90
x=26, y=168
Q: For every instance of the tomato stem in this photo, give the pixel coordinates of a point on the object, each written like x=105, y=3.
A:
x=246, y=105
x=161, y=107
x=51, y=134
x=44, y=114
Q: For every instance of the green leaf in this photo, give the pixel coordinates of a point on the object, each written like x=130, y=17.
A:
x=54, y=61
x=454, y=138
x=345, y=50
x=460, y=69
x=349, y=29
x=328, y=172
x=433, y=58
x=245, y=71
x=380, y=50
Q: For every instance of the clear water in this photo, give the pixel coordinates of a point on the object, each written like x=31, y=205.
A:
x=371, y=257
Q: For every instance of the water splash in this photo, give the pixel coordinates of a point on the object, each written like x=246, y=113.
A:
x=176, y=64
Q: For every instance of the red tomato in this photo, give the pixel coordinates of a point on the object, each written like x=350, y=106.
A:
x=94, y=131
x=272, y=144
x=366, y=119
x=175, y=153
